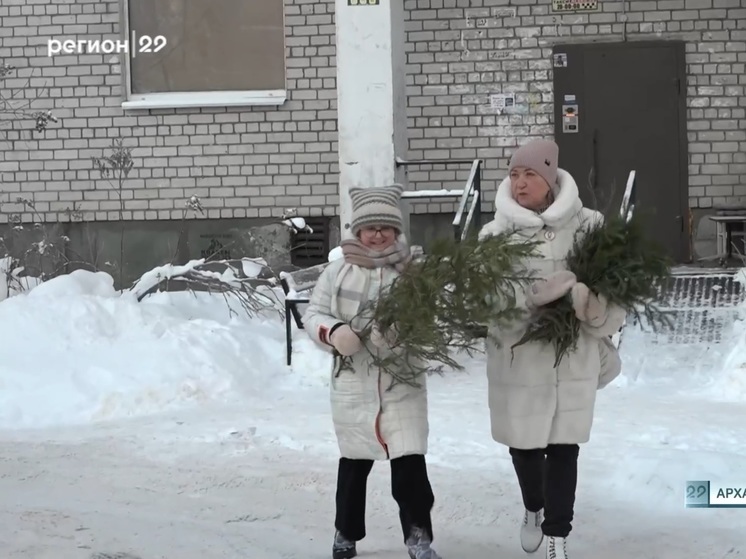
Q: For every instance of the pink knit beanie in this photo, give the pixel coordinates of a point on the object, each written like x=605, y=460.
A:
x=542, y=156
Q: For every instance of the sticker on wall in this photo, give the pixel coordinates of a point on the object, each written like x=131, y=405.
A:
x=502, y=101
x=574, y=5
x=363, y=2
x=560, y=60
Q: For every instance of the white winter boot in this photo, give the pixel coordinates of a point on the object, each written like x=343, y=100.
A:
x=531, y=534
x=418, y=545
x=556, y=548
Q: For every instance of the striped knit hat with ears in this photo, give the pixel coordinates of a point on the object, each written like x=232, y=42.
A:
x=376, y=206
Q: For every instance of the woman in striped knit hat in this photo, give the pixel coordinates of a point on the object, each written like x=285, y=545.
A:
x=373, y=421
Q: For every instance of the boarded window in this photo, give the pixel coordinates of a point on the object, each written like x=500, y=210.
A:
x=211, y=47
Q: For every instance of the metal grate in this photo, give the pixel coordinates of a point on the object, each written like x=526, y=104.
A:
x=574, y=5
x=310, y=249
x=702, y=307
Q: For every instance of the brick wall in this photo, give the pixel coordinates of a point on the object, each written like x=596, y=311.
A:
x=455, y=57
x=256, y=162
x=242, y=162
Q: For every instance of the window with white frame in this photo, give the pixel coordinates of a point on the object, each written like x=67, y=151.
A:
x=189, y=53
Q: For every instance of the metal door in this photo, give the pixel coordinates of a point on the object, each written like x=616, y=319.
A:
x=621, y=107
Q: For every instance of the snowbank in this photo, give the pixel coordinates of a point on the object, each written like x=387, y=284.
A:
x=701, y=368
x=74, y=351
x=729, y=377
x=731, y=386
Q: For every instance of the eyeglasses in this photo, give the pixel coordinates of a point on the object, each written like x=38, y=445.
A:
x=382, y=230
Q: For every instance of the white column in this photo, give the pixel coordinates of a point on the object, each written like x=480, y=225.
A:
x=371, y=97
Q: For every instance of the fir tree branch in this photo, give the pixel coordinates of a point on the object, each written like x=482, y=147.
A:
x=614, y=259
x=439, y=302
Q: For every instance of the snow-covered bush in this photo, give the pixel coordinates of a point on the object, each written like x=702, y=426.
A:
x=247, y=281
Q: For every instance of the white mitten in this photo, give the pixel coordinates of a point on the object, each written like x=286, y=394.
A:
x=589, y=307
x=549, y=289
x=345, y=341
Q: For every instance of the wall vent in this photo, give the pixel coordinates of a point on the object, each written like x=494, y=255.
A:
x=310, y=249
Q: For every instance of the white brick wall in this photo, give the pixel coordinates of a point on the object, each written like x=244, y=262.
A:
x=242, y=162
x=256, y=162
x=459, y=50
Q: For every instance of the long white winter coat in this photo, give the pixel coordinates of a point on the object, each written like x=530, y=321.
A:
x=372, y=420
x=532, y=404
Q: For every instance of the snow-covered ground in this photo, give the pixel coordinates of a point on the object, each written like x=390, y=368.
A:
x=172, y=429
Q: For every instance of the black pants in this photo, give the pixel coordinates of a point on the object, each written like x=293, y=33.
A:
x=548, y=478
x=410, y=488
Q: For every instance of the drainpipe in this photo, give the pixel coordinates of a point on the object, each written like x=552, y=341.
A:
x=624, y=20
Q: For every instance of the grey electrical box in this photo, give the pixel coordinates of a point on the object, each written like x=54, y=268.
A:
x=570, y=123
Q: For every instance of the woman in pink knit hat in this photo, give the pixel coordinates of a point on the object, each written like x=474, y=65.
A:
x=542, y=413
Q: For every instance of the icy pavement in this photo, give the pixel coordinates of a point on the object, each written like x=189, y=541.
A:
x=258, y=482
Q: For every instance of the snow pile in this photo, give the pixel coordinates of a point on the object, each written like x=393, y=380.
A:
x=297, y=224
x=335, y=254
x=732, y=385
x=729, y=382
x=253, y=267
x=715, y=370
x=442, y=193
x=74, y=351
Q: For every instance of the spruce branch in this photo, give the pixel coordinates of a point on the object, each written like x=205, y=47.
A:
x=442, y=302
x=614, y=259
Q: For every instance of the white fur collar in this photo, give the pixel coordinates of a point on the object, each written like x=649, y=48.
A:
x=566, y=205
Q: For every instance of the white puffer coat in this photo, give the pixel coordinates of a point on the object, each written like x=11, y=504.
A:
x=532, y=404
x=372, y=420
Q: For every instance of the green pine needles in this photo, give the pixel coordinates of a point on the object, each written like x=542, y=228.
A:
x=615, y=259
x=443, y=301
